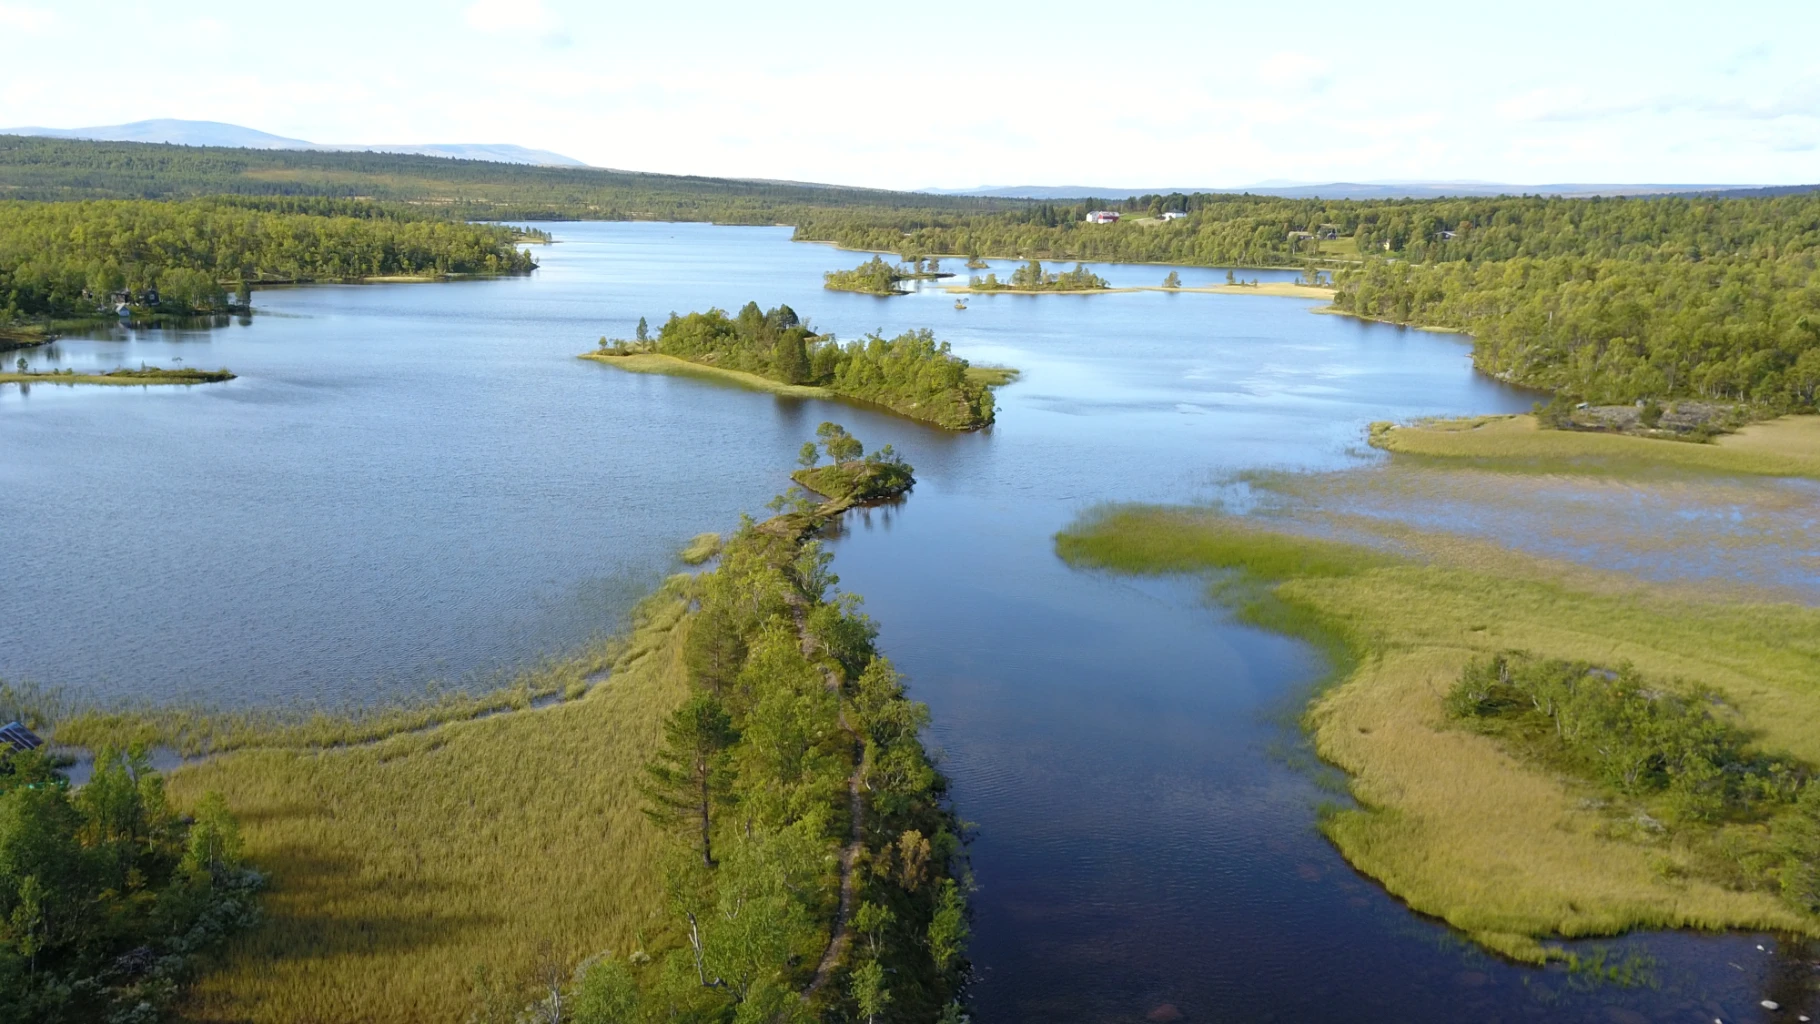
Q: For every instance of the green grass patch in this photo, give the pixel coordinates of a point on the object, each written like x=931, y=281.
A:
x=703, y=547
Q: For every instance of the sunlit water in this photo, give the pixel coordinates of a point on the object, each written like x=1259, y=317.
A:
x=411, y=483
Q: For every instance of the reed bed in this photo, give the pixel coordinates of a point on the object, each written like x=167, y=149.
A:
x=407, y=870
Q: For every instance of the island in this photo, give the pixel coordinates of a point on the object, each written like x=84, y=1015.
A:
x=1031, y=278
x=774, y=350
x=143, y=375
x=876, y=277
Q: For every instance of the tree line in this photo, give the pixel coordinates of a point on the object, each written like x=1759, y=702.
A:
x=912, y=374
x=107, y=894
x=69, y=259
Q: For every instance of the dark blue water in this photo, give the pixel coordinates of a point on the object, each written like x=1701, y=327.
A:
x=412, y=483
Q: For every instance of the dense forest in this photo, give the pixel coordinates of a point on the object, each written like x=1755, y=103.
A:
x=44, y=169
x=67, y=259
x=912, y=373
x=106, y=894
x=796, y=740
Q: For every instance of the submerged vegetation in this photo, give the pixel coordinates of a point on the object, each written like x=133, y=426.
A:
x=912, y=374
x=108, y=895
x=1474, y=825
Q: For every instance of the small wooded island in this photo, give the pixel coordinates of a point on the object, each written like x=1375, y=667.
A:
x=1031, y=277
x=912, y=374
x=876, y=277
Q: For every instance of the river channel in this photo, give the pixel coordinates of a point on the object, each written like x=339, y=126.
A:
x=413, y=485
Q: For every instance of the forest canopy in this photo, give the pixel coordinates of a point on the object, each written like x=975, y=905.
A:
x=66, y=259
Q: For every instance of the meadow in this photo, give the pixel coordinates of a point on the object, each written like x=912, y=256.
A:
x=1787, y=446
x=1446, y=818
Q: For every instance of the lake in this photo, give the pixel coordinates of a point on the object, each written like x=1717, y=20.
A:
x=418, y=485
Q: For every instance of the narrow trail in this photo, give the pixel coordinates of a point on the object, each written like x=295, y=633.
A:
x=843, y=915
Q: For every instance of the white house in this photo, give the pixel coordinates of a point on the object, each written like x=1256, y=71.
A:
x=1102, y=217
x=1173, y=215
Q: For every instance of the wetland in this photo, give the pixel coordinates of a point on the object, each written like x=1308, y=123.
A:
x=374, y=511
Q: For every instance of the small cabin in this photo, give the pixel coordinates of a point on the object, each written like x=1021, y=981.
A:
x=150, y=297
x=1173, y=215
x=1102, y=217
x=15, y=738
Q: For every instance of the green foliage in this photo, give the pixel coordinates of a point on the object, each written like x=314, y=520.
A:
x=105, y=893
x=792, y=707
x=1032, y=278
x=69, y=259
x=1642, y=740
x=690, y=778
x=912, y=374
x=874, y=277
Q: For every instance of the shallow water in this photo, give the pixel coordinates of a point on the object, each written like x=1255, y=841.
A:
x=419, y=482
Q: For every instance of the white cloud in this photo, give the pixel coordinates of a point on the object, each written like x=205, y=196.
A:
x=526, y=17
x=28, y=20
x=1294, y=70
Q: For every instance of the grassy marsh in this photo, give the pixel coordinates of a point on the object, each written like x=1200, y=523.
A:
x=652, y=362
x=1447, y=819
x=1789, y=446
x=148, y=375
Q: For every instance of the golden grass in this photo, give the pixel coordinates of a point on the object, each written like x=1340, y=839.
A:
x=1279, y=289
x=120, y=378
x=652, y=362
x=1789, y=446
x=703, y=547
x=992, y=376
x=399, y=867
x=1446, y=820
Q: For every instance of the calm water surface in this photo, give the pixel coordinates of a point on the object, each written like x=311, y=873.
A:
x=414, y=483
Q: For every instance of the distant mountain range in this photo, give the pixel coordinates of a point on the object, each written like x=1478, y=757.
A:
x=215, y=133
x=1343, y=190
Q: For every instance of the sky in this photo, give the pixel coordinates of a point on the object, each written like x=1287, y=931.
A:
x=906, y=95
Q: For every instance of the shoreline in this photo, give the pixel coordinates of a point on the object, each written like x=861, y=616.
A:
x=1277, y=289
x=121, y=378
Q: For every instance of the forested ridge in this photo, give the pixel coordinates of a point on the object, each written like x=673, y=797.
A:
x=66, y=259
x=43, y=169
x=816, y=873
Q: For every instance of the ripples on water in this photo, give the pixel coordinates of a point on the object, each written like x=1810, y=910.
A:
x=414, y=482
